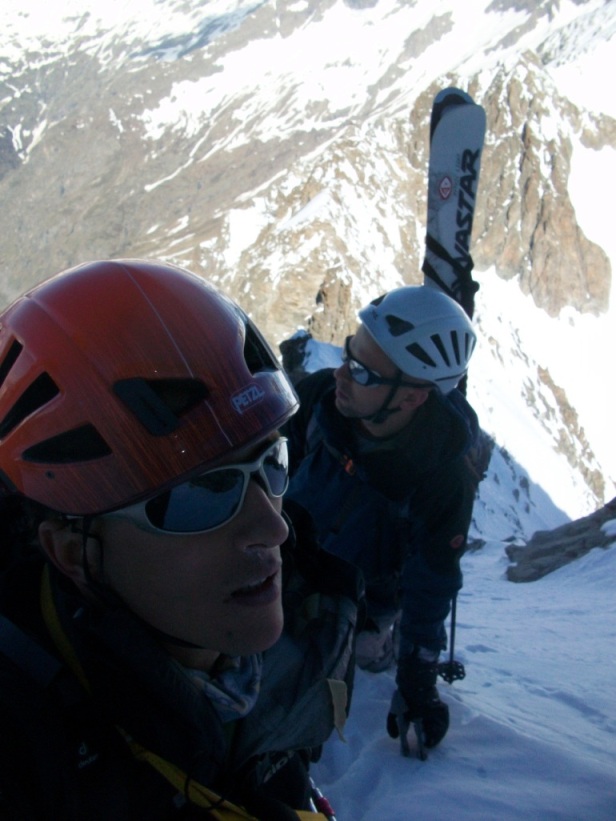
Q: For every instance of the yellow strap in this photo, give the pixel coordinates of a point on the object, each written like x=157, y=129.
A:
x=59, y=637
x=307, y=815
x=196, y=793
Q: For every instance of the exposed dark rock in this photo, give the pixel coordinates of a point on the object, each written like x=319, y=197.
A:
x=550, y=549
x=293, y=353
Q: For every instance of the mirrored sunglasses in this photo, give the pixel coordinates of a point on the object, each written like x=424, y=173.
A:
x=367, y=378
x=214, y=498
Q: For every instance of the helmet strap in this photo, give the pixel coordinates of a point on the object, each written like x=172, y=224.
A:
x=383, y=414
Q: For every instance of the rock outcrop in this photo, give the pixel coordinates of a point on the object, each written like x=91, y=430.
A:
x=526, y=223
x=548, y=550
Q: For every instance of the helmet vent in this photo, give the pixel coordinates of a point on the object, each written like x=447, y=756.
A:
x=78, y=445
x=158, y=403
x=398, y=326
x=419, y=353
x=9, y=360
x=438, y=343
x=41, y=391
x=456, y=346
x=256, y=353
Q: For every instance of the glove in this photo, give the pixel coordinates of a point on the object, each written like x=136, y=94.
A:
x=417, y=699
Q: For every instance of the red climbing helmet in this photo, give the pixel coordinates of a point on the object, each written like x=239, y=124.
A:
x=121, y=378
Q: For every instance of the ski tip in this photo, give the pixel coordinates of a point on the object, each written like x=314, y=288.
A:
x=455, y=102
x=453, y=96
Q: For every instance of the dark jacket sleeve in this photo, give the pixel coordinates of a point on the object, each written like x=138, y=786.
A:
x=431, y=575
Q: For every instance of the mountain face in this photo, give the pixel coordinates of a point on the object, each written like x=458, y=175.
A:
x=281, y=150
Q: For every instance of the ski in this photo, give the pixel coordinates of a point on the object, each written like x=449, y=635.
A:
x=457, y=131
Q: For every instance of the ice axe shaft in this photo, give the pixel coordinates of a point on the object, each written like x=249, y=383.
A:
x=403, y=728
x=421, y=739
x=404, y=725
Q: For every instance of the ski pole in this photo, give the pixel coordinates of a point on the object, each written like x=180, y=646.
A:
x=452, y=670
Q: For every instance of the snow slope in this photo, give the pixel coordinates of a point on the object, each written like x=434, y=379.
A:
x=533, y=724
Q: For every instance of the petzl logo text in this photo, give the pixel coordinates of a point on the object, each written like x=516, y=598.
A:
x=244, y=400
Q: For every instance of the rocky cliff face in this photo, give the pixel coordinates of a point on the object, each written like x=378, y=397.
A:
x=89, y=167
x=526, y=224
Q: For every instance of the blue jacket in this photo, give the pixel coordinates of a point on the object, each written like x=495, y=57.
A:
x=399, y=509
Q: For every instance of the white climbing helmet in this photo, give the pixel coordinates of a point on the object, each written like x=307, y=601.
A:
x=425, y=333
